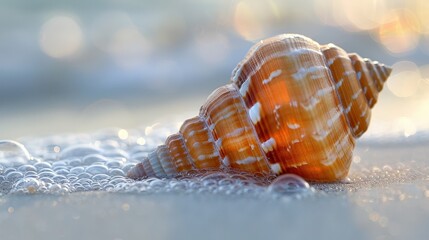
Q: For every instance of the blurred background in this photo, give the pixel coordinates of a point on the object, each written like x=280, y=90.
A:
x=78, y=66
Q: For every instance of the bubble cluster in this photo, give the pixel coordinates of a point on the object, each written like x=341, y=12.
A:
x=100, y=161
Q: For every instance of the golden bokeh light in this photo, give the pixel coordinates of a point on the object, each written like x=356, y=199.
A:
x=351, y=15
x=400, y=31
x=248, y=21
x=57, y=149
x=405, y=79
x=123, y=134
x=140, y=141
x=364, y=14
x=60, y=37
x=356, y=159
x=421, y=9
x=11, y=210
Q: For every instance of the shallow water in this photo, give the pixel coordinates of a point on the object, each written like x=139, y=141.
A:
x=57, y=187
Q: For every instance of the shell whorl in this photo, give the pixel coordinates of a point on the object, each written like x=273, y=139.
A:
x=293, y=106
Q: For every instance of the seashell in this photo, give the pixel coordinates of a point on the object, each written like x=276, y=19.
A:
x=293, y=106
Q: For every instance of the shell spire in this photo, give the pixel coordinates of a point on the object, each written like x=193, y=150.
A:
x=293, y=106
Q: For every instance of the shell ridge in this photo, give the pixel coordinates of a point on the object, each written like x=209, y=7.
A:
x=148, y=168
x=179, y=153
x=354, y=104
x=259, y=143
x=199, y=143
x=334, y=84
x=156, y=165
x=186, y=151
x=280, y=39
x=271, y=56
x=211, y=138
x=364, y=78
x=241, y=136
x=166, y=161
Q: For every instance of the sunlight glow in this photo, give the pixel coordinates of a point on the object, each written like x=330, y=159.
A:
x=123, y=134
x=141, y=141
x=405, y=79
x=246, y=22
x=399, y=32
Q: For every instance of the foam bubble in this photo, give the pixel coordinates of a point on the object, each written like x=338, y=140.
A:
x=289, y=184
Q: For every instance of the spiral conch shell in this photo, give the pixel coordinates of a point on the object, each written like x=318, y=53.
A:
x=293, y=106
